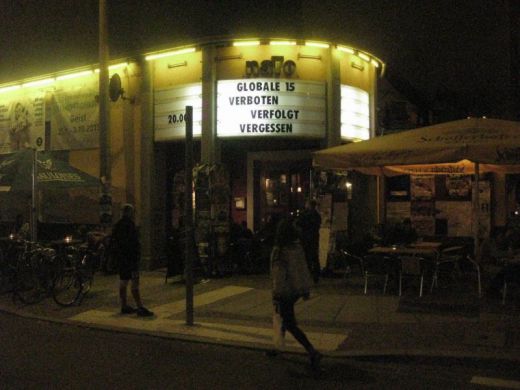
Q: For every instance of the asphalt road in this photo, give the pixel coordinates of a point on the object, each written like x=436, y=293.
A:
x=40, y=354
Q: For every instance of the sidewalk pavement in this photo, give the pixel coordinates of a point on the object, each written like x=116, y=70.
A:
x=339, y=319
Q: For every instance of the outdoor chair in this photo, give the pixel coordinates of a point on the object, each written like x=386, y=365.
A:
x=412, y=267
x=507, y=283
x=477, y=268
x=447, y=264
x=510, y=278
x=376, y=266
x=352, y=260
x=454, y=262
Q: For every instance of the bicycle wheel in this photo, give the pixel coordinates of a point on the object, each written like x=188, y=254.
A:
x=67, y=286
x=27, y=287
x=6, y=274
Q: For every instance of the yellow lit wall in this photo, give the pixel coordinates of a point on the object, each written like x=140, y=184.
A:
x=356, y=72
x=177, y=69
x=231, y=61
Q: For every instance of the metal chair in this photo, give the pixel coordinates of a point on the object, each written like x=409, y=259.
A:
x=412, y=266
x=351, y=260
x=447, y=263
x=509, y=279
x=378, y=266
x=477, y=268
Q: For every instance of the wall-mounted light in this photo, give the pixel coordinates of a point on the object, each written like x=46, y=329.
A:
x=230, y=57
x=282, y=43
x=38, y=83
x=348, y=188
x=308, y=57
x=346, y=49
x=10, y=88
x=357, y=66
x=317, y=44
x=246, y=43
x=178, y=65
x=169, y=53
x=74, y=75
x=114, y=66
x=364, y=57
x=117, y=66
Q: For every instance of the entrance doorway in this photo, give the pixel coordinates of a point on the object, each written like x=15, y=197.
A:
x=282, y=189
x=278, y=185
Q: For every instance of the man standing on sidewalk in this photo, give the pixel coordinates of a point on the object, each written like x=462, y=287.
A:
x=309, y=223
x=126, y=250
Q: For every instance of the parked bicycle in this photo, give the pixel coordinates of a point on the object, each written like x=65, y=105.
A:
x=34, y=272
x=7, y=265
x=77, y=267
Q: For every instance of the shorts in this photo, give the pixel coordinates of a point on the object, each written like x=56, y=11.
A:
x=128, y=271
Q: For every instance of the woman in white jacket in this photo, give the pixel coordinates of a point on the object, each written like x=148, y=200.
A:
x=291, y=281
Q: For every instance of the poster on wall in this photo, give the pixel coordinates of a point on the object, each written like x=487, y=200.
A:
x=397, y=211
x=75, y=118
x=458, y=216
x=484, y=216
x=271, y=107
x=424, y=226
x=324, y=207
x=422, y=208
x=422, y=187
x=22, y=121
x=458, y=186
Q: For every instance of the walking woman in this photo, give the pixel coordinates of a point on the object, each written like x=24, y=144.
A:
x=291, y=281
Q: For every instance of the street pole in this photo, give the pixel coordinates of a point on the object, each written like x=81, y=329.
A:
x=105, y=201
x=34, y=194
x=188, y=214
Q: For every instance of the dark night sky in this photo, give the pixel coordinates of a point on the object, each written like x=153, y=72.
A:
x=459, y=45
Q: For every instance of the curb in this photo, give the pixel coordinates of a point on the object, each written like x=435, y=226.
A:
x=392, y=354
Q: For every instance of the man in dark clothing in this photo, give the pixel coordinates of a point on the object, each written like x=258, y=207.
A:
x=127, y=251
x=309, y=223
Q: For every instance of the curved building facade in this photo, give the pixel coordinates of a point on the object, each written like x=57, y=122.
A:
x=260, y=107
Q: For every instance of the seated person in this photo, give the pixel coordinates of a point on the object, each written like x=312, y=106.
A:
x=510, y=273
x=500, y=249
x=494, y=248
x=245, y=231
x=401, y=233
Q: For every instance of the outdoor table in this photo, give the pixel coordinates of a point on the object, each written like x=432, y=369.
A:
x=410, y=250
x=65, y=242
x=427, y=244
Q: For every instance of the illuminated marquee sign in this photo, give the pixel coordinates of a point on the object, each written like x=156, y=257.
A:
x=267, y=107
x=355, y=113
x=170, y=106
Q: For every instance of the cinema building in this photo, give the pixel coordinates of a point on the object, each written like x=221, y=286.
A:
x=260, y=107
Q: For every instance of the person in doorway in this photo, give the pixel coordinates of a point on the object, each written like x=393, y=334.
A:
x=21, y=228
x=126, y=249
x=290, y=282
x=309, y=223
x=245, y=231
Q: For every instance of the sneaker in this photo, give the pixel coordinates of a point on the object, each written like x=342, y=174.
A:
x=315, y=360
x=128, y=310
x=144, y=312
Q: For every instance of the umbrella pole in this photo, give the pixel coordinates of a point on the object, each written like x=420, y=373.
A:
x=476, y=213
x=33, y=216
